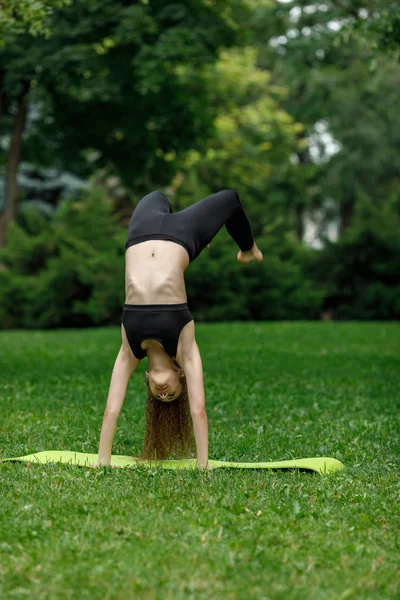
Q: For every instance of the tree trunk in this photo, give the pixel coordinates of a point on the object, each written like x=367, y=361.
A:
x=1, y=96
x=346, y=215
x=11, y=191
x=299, y=208
x=304, y=160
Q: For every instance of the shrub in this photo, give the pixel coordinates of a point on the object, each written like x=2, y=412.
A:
x=280, y=287
x=361, y=270
x=65, y=272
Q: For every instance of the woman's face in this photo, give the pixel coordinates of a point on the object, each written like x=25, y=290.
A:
x=165, y=385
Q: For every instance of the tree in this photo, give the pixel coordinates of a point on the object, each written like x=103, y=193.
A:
x=376, y=25
x=343, y=93
x=122, y=83
x=18, y=16
x=253, y=140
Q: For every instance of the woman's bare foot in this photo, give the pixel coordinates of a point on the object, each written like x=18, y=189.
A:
x=253, y=254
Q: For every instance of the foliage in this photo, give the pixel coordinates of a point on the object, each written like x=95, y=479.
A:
x=344, y=94
x=361, y=271
x=28, y=16
x=378, y=26
x=293, y=104
x=221, y=289
x=121, y=84
x=254, y=138
x=69, y=271
x=66, y=272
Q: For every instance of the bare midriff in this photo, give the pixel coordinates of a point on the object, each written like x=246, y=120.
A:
x=154, y=273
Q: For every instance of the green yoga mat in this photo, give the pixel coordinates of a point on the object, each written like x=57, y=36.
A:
x=322, y=464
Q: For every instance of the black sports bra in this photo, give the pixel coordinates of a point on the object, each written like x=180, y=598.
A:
x=161, y=322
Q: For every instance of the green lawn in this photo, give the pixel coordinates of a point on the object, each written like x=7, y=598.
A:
x=274, y=391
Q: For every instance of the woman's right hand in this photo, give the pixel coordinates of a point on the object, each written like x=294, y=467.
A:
x=208, y=467
x=99, y=464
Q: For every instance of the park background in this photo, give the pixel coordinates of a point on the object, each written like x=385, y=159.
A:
x=295, y=105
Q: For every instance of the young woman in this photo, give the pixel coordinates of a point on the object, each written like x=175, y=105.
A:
x=156, y=320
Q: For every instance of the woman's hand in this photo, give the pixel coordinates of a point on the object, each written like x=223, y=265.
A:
x=208, y=467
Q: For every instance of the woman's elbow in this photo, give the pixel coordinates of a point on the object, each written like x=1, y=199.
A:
x=112, y=412
x=199, y=412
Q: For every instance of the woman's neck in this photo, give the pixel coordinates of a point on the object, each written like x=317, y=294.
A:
x=159, y=360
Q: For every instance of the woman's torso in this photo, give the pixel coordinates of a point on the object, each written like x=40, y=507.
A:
x=154, y=273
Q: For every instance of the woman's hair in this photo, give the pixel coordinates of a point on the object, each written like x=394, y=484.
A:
x=169, y=429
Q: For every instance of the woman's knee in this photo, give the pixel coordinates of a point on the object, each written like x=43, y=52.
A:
x=231, y=195
x=154, y=201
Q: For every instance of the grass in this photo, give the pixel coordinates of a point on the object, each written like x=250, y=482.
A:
x=274, y=391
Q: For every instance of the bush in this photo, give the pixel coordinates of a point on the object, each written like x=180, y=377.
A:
x=361, y=270
x=67, y=272
x=220, y=288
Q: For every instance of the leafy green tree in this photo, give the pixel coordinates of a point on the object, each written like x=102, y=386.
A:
x=116, y=83
x=252, y=143
x=346, y=103
x=18, y=16
x=377, y=24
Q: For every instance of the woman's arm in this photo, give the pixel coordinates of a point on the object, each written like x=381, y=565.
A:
x=124, y=366
x=193, y=368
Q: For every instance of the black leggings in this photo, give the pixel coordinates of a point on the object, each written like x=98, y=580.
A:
x=195, y=226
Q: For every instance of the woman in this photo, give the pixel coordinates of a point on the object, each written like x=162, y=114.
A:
x=156, y=320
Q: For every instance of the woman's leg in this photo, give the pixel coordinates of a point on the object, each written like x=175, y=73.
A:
x=149, y=211
x=206, y=217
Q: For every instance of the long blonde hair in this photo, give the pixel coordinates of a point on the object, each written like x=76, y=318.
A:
x=169, y=428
